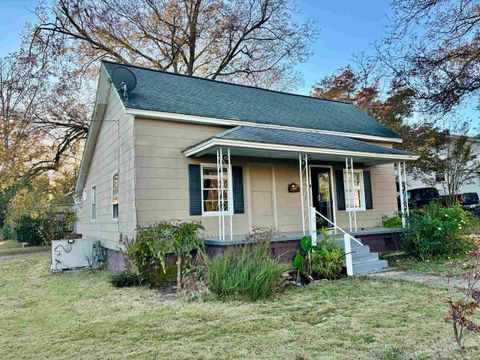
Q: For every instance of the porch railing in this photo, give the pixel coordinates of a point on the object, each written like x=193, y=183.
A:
x=347, y=238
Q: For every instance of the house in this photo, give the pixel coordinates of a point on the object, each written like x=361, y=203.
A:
x=437, y=180
x=235, y=158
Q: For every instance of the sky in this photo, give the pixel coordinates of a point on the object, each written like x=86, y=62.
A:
x=347, y=27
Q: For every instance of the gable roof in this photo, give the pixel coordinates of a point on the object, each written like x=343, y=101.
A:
x=181, y=94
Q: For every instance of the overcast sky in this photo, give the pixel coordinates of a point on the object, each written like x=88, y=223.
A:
x=346, y=27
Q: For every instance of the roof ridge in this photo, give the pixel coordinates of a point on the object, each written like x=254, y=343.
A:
x=227, y=83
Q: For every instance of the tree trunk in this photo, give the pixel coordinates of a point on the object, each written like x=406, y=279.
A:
x=179, y=272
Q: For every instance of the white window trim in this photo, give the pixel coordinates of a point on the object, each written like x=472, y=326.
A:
x=111, y=194
x=229, y=199
x=362, y=190
x=92, y=189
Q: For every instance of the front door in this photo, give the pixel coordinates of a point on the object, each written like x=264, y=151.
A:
x=322, y=194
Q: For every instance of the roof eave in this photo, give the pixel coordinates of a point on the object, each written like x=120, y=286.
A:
x=200, y=148
x=153, y=114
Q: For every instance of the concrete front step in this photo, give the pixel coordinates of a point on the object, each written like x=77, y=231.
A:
x=364, y=261
x=369, y=267
x=364, y=257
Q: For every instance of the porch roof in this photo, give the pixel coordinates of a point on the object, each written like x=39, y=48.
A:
x=264, y=142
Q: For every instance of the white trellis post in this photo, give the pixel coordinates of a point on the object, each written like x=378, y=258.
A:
x=350, y=199
x=305, y=192
x=403, y=189
x=225, y=218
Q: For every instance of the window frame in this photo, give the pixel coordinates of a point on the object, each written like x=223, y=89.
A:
x=229, y=196
x=439, y=176
x=362, y=191
x=118, y=196
x=93, y=196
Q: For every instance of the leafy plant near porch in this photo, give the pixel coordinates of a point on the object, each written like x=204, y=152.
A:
x=392, y=222
x=438, y=231
x=147, y=254
x=323, y=261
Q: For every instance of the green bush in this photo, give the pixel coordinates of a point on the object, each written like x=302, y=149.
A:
x=392, y=222
x=124, y=279
x=147, y=254
x=56, y=225
x=246, y=272
x=437, y=231
x=28, y=230
x=7, y=232
x=323, y=261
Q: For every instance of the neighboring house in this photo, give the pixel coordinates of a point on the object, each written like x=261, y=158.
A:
x=437, y=180
x=157, y=154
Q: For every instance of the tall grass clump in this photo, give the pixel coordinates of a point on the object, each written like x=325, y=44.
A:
x=246, y=272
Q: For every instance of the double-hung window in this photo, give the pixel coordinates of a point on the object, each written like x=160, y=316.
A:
x=355, y=200
x=94, y=204
x=115, y=196
x=210, y=190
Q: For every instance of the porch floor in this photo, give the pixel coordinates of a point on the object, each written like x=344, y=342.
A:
x=297, y=235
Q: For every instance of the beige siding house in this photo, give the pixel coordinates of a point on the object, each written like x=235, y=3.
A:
x=233, y=157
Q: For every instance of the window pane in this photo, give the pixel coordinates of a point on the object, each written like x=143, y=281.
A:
x=210, y=205
x=115, y=189
x=115, y=211
x=210, y=189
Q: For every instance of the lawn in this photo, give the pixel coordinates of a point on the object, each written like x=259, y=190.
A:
x=455, y=266
x=12, y=247
x=80, y=315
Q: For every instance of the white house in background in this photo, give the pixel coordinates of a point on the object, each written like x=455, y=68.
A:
x=437, y=180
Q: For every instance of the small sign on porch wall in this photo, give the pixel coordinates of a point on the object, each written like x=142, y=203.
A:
x=293, y=188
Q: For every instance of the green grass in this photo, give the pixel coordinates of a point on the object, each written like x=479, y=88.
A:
x=12, y=247
x=79, y=315
x=441, y=267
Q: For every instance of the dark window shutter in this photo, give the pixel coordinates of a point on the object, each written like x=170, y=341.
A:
x=367, y=185
x=195, y=189
x=340, y=189
x=237, y=182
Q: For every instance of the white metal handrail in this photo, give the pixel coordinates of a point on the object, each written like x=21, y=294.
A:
x=338, y=228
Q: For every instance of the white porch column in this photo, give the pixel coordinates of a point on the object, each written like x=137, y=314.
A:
x=350, y=190
x=225, y=217
x=304, y=191
x=402, y=182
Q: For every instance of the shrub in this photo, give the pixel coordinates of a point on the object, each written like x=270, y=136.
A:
x=124, y=279
x=7, y=232
x=323, y=261
x=392, y=222
x=28, y=230
x=147, y=254
x=56, y=225
x=437, y=231
x=245, y=271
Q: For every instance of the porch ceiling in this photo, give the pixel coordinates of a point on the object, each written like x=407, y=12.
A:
x=286, y=144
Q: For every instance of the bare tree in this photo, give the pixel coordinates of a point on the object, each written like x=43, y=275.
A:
x=435, y=46
x=41, y=119
x=246, y=41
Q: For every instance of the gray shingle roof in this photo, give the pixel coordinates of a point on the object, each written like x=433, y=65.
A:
x=173, y=93
x=304, y=139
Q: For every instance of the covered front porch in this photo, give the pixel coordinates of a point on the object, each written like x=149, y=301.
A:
x=297, y=183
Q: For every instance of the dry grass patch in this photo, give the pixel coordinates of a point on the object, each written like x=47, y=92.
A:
x=80, y=315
